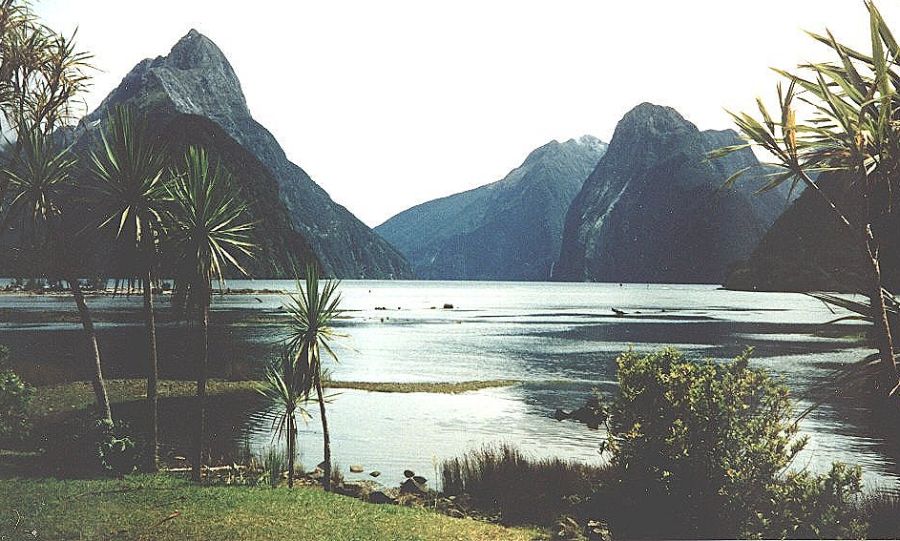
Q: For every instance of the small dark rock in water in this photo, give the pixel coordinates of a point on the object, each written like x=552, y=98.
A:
x=375, y=473
x=380, y=496
x=448, y=306
x=356, y=468
x=380, y=308
x=592, y=413
x=408, y=473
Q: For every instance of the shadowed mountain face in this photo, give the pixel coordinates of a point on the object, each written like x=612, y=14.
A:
x=507, y=230
x=654, y=209
x=193, y=97
x=808, y=249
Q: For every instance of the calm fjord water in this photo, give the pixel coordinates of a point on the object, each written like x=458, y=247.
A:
x=561, y=340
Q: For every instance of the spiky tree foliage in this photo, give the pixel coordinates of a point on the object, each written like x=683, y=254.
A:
x=40, y=180
x=41, y=71
x=313, y=311
x=287, y=386
x=128, y=173
x=41, y=74
x=208, y=232
x=842, y=116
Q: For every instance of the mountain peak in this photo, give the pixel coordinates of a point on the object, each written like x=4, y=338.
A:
x=194, y=51
x=658, y=119
x=590, y=141
x=192, y=96
x=195, y=78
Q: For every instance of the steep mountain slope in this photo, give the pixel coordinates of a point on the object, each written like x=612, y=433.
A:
x=808, y=249
x=192, y=96
x=654, y=209
x=507, y=230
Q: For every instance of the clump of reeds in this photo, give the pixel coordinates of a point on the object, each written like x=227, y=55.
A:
x=501, y=480
x=275, y=463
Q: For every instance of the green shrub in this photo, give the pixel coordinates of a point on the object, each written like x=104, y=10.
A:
x=116, y=450
x=81, y=444
x=702, y=450
x=15, y=395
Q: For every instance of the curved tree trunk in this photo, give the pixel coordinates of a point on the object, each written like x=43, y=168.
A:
x=152, y=464
x=326, y=439
x=93, y=349
x=197, y=465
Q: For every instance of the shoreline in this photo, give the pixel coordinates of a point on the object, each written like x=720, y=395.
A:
x=74, y=396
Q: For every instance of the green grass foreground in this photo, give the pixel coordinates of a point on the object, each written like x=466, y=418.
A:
x=78, y=395
x=166, y=508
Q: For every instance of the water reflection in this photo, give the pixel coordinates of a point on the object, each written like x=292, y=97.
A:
x=560, y=339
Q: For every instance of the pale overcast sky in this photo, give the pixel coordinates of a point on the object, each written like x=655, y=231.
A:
x=388, y=103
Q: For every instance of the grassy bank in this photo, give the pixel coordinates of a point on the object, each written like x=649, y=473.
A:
x=74, y=396
x=165, y=508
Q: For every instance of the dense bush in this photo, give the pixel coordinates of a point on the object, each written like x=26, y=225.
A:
x=702, y=450
x=81, y=444
x=15, y=395
x=502, y=480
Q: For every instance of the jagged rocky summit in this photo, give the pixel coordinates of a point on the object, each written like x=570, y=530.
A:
x=193, y=97
x=655, y=209
x=507, y=230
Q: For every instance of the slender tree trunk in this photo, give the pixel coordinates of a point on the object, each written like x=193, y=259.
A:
x=93, y=349
x=326, y=439
x=152, y=464
x=883, y=336
x=288, y=370
x=197, y=465
x=291, y=448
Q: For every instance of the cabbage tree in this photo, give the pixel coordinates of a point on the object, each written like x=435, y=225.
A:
x=841, y=117
x=209, y=231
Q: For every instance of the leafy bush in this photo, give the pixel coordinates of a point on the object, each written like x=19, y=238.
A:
x=702, y=450
x=117, y=452
x=502, y=480
x=84, y=445
x=15, y=395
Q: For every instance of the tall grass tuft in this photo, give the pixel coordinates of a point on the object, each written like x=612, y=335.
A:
x=275, y=464
x=503, y=480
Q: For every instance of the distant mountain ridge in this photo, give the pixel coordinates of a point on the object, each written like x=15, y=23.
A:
x=193, y=96
x=654, y=210
x=506, y=230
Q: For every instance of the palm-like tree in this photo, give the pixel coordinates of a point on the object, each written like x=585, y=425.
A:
x=208, y=233
x=287, y=388
x=39, y=179
x=128, y=172
x=854, y=129
x=313, y=311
